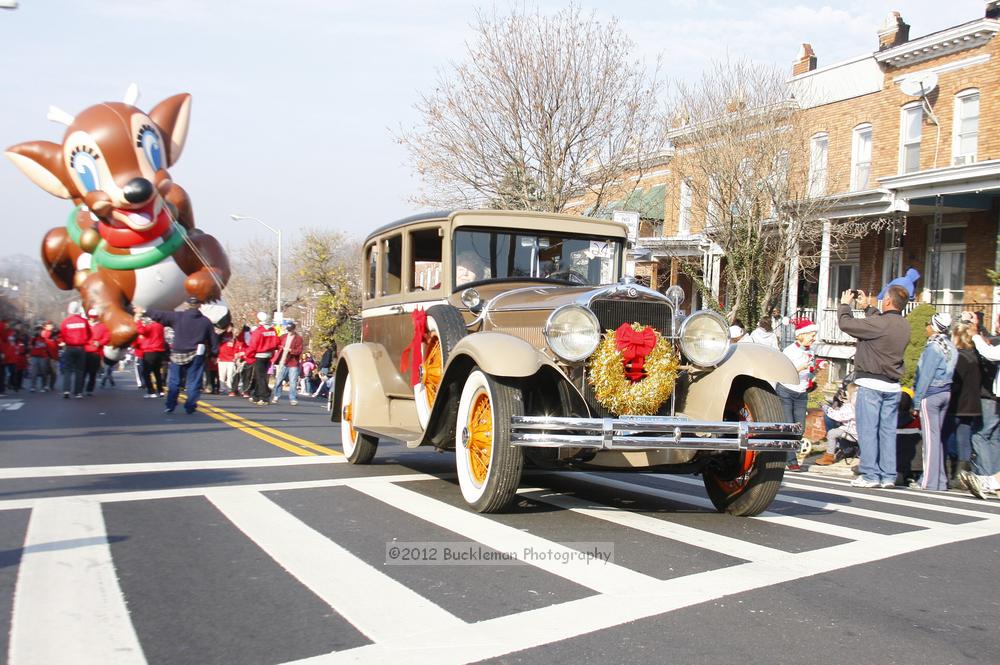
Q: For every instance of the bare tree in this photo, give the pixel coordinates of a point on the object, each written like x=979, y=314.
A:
x=743, y=168
x=252, y=286
x=325, y=264
x=543, y=109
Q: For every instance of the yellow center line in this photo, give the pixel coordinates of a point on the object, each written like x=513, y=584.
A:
x=305, y=443
x=249, y=429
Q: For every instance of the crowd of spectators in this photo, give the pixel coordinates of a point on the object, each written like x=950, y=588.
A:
x=258, y=361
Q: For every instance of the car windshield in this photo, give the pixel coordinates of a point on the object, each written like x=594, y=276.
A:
x=486, y=254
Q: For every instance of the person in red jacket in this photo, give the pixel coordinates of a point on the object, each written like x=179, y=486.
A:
x=99, y=336
x=20, y=367
x=75, y=333
x=286, y=362
x=263, y=342
x=153, y=347
x=227, y=361
x=41, y=348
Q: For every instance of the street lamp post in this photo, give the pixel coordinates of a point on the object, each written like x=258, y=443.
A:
x=277, y=232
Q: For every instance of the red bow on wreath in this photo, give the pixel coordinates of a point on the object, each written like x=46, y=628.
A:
x=415, y=352
x=634, y=345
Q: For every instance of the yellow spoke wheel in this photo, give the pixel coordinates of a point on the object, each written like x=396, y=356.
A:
x=433, y=367
x=488, y=464
x=480, y=437
x=445, y=329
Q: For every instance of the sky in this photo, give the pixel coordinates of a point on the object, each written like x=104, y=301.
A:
x=297, y=103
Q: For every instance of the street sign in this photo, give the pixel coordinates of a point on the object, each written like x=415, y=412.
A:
x=630, y=219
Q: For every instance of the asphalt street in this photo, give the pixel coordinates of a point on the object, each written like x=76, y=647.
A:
x=239, y=534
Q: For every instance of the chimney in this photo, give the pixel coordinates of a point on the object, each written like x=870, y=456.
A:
x=806, y=61
x=993, y=9
x=894, y=31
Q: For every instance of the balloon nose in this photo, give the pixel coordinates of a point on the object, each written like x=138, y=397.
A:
x=138, y=190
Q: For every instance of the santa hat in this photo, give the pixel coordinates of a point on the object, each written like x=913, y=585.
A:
x=803, y=326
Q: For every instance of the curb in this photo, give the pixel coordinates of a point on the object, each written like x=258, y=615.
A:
x=841, y=469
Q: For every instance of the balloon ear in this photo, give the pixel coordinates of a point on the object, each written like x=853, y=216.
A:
x=172, y=116
x=42, y=161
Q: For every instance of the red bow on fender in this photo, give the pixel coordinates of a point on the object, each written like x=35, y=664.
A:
x=634, y=345
x=415, y=351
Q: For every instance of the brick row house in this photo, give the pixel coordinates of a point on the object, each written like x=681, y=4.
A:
x=904, y=136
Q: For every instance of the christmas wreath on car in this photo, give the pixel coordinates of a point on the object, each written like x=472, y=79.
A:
x=633, y=370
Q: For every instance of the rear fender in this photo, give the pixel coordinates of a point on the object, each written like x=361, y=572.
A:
x=376, y=379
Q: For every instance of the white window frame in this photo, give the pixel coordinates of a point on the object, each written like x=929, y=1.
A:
x=956, y=130
x=712, y=207
x=856, y=164
x=904, y=141
x=817, y=171
x=930, y=288
x=684, y=216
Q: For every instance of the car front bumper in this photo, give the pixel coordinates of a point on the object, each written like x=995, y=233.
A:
x=652, y=433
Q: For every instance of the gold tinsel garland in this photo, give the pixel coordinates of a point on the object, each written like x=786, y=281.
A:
x=618, y=394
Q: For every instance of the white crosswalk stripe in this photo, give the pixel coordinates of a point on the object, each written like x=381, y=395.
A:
x=67, y=583
x=377, y=605
x=68, y=607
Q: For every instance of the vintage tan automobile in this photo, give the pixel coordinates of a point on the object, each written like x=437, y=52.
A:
x=500, y=335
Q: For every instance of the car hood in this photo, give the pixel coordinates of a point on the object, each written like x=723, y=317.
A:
x=527, y=296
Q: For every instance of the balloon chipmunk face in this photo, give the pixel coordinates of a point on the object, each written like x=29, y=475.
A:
x=130, y=241
x=113, y=159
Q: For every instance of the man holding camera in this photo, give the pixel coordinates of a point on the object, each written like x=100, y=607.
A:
x=878, y=365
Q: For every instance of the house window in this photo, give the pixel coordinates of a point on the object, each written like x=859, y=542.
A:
x=684, y=223
x=966, y=131
x=861, y=157
x=712, y=218
x=843, y=276
x=818, y=145
x=948, y=287
x=911, y=123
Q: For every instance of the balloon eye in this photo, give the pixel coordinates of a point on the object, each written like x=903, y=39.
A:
x=85, y=166
x=149, y=141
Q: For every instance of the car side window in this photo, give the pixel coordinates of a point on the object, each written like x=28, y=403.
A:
x=392, y=265
x=371, y=263
x=425, y=257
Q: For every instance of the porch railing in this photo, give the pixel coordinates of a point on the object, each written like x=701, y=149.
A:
x=830, y=332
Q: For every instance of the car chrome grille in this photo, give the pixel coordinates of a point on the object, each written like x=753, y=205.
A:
x=611, y=313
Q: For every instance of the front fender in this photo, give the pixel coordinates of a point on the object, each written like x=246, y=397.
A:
x=707, y=393
x=499, y=354
x=375, y=381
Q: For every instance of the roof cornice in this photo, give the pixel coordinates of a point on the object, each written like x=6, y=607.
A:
x=953, y=40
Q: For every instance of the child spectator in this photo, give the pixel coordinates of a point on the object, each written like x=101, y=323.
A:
x=844, y=414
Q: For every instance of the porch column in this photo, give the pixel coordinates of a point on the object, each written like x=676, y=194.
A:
x=793, y=281
x=823, y=287
x=717, y=277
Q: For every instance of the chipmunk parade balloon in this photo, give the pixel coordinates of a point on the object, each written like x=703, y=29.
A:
x=131, y=238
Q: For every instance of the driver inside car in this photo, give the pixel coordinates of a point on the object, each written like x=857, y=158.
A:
x=469, y=267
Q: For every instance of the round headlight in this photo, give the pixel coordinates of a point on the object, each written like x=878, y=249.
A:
x=572, y=332
x=705, y=338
